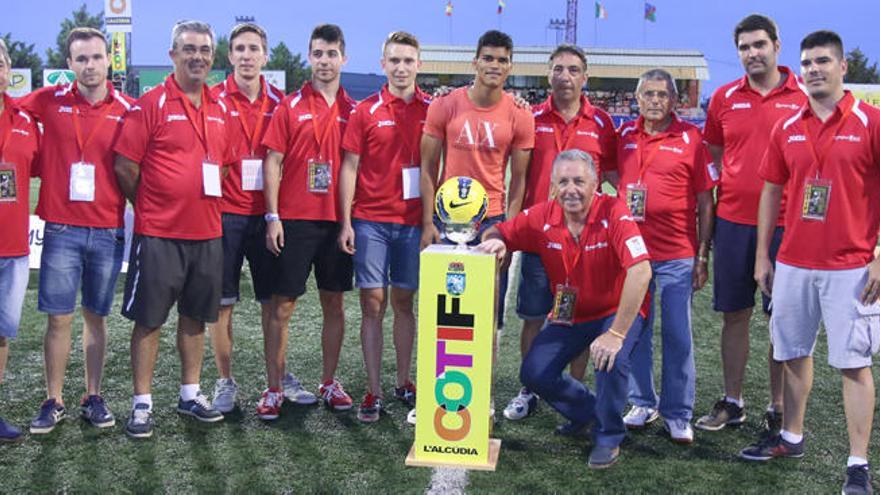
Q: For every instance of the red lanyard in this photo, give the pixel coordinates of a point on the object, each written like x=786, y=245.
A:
x=557, y=134
x=255, y=137
x=203, y=135
x=7, y=115
x=819, y=158
x=323, y=131
x=411, y=134
x=580, y=242
x=82, y=143
x=644, y=162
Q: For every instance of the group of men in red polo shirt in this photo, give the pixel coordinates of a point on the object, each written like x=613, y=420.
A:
x=315, y=179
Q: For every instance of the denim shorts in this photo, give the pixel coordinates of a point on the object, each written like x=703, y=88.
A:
x=13, y=284
x=386, y=254
x=74, y=256
x=534, y=300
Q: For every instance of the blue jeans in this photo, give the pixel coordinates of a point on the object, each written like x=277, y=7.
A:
x=534, y=298
x=13, y=285
x=386, y=254
x=542, y=373
x=79, y=255
x=671, y=284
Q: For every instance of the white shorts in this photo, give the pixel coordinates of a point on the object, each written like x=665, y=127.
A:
x=801, y=297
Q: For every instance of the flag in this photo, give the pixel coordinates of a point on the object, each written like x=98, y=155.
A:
x=601, y=13
x=501, y=6
x=449, y=8
x=650, y=12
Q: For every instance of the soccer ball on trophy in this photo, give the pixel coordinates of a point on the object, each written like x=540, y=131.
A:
x=461, y=205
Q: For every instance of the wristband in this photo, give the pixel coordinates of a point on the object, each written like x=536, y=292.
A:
x=271, y=217
x=617, y=334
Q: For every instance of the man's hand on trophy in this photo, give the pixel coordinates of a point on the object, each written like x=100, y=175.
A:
x=493, y=246
x=346, y=239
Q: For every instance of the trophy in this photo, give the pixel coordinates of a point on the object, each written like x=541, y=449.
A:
x=461, y=205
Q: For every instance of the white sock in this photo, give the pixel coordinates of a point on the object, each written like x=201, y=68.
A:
x=189, y=391
x=738, y=402
x=791, y=437
x=142, y=399
x=856, y=461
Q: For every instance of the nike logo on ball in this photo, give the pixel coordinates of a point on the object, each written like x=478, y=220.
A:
x=453, y=204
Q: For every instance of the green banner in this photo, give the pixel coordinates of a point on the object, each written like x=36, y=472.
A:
x=149, y=78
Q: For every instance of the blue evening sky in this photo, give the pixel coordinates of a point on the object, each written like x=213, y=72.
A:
x=704, y=25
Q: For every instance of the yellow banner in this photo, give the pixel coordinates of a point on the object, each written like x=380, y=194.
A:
x=117, y=52
x=869, y=93
x=456, y=335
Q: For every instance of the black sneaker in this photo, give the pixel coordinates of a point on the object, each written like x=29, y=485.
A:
x=51, y=412
x=771, y=447
x=858, y=480
x=140, y=423
x=94, y=410
x=772, y=423
x=200, y=409
x=406, y=394
x=724, y=413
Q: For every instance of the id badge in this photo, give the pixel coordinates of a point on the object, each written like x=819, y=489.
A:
x=636, y=197
x=319, y=177
x=8, y=184
x=563, y=305
x=411, y=177
x=211, y=179
x=82, y=182
x=252, y=174
x=817, y=194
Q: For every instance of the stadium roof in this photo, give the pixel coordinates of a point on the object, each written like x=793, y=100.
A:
x=603, y=62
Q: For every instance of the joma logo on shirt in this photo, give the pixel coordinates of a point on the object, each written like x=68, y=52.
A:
x=384, y=123
x=630, y=146
x=554, y=245
x=481, y=135
x=63, y=109
x=305, y=116
x=175, y=116
x=543, y=128
x=216, y=119
x=797, y=138
x=740, y=106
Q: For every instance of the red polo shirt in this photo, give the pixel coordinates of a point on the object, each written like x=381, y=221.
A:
x=292, y=132
x=740, y=120
x=19, y=141
x=847, y=237
x=159, y=135
x=249, y=123
x=478, y=141
x=673, y=166
x=61, y=109
x=610, y=241
x=590, y=130
x=386, y=132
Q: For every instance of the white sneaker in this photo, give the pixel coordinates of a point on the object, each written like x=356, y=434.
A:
x=225, y=393
x=294, y=391
x=521, y=406
x=411, y=416
x=680, y=430
x=639, y=417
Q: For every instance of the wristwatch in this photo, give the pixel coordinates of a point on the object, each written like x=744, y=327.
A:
x=271, y=217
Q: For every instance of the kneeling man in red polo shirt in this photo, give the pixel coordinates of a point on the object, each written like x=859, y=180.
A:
x=599, y=272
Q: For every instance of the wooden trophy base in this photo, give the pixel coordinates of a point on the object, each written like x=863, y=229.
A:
x=494, y=449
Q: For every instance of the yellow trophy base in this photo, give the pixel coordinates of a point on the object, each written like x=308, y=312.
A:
x=494, y=449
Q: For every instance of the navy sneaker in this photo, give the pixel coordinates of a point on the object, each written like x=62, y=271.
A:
x=858, y=480
x=9, y=433
x=406, y=394
x=771, y=447
x=140, y=423
x=94, y=410
x=200, y=409
x=50, y=414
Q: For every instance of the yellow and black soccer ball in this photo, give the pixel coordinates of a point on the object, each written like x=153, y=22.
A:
x=461, y=200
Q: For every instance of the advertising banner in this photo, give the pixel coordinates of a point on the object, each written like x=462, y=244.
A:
x=51, y=77
x=456, y=335
x=149, y=78
x=117, y=16
x=20, y=83
x=869, y=93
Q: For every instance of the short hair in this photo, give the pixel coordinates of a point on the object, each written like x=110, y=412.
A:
x=497, y=39
x=659, y=75
x=192, y=27
x=576, y=155
x=756, y=22
x=401, y=38
x=331, y=33
x=249, y=27
x=823, y=38
x=84, y=34
x=571, y=49
x=4, y=54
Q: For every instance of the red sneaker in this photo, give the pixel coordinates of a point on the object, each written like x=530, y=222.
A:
x=370, y=409
x=334, y=396
x=269, y=407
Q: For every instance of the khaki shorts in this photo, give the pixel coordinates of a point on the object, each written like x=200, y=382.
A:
x=802, y=297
